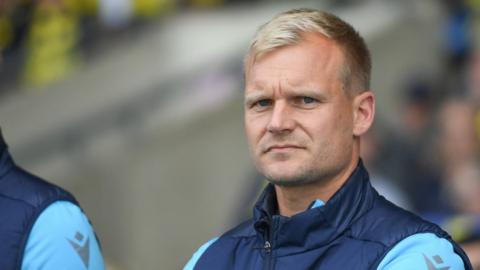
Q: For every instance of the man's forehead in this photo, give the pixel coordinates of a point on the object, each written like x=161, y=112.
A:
x=282, y=78
x=315, y=40
x=302, y=60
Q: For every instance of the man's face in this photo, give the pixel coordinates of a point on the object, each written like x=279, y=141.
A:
x=298, y=118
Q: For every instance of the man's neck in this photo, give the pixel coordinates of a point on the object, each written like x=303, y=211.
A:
x=295, y=199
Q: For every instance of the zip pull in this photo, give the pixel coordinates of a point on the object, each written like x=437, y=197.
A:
x=267, y=246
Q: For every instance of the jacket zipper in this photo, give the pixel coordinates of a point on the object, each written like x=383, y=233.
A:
x=268, y=245
x=268, y=255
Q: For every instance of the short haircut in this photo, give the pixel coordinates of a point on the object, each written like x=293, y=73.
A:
x=287, y=28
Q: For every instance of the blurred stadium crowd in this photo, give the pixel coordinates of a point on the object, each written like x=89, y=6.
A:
x=431, y=156
x=427, y=161
x=42, y=41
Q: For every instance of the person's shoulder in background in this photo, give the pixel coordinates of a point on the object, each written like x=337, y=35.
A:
x=62, y=238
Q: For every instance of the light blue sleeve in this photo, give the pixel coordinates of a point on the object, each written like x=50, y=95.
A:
x=62, y=238
x=196, y=256
x=423, y=251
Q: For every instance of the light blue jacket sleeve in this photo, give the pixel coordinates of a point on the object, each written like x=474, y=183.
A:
x=196, y=256
x=423, y=251
x=62, y=238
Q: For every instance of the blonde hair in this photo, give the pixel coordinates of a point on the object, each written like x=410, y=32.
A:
x=287, y=28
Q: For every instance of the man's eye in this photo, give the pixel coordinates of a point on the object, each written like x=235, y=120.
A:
x=308, y=100
x=263, y=103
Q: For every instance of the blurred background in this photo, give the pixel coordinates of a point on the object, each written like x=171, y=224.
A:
x=135, y=106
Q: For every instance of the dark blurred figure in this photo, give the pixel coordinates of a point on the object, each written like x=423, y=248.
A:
x=371, y=148
x=458, y=148
x=457, y=141
x=15, y=18
x=451, y=144
x=408, y=157
x=457, y=44
x=474, y=89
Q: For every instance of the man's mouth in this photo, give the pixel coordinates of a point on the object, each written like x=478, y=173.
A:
x=283, y=148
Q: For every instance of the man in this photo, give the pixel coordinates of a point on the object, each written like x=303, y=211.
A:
x=42, y=226
x=307, y=102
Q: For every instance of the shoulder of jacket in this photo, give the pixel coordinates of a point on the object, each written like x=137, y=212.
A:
x=388, y=224
x=23, y=187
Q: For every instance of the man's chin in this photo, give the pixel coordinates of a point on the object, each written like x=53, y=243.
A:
x=290, y=182
x=287, y=179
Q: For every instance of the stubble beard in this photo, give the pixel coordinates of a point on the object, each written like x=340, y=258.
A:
x=301, y=177
x=320, y=169
x=317, y=169
x=292, y=182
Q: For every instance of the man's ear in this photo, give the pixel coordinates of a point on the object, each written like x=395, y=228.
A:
x=363, y=112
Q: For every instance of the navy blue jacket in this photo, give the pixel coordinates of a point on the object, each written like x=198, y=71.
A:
x=354, y=230
x=23, y=197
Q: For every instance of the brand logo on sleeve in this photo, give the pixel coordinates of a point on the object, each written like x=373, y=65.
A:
x=438, y=260
x=83, y=250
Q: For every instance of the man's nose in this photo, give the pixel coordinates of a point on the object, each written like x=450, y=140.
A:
x=281, y=120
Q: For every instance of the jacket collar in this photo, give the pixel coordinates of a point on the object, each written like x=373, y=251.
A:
x=6, y=161
x=316, y=226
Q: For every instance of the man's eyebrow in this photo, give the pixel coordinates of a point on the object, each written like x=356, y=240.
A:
x=315, y=93
x=254, y=96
